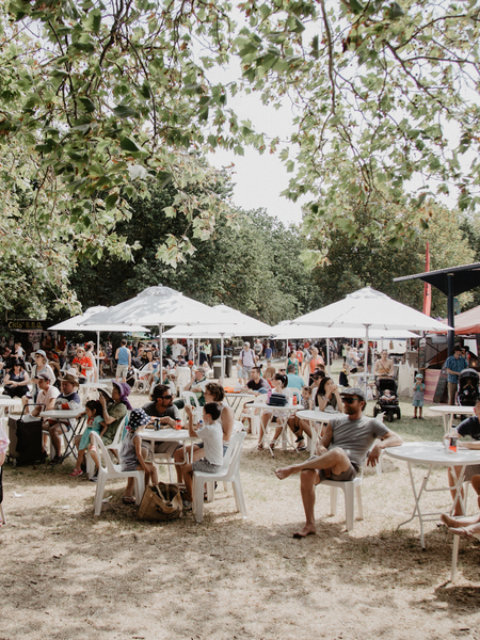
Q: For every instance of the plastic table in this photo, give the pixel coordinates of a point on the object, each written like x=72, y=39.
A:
x=447, y=411
x=432, y=454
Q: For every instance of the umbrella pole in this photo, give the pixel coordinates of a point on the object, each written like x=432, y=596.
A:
x=221, y=355
x=98, y=355
x=160, y=346
x=328, y=356
x=366, y=362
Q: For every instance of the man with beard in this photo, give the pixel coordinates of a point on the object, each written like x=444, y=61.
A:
x=346, y=444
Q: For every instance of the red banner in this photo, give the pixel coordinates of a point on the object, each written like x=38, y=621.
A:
x=427, y=288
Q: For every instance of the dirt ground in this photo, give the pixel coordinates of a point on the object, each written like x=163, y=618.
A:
x=66, y=574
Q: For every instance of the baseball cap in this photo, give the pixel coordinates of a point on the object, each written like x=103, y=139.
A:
x=354, y=391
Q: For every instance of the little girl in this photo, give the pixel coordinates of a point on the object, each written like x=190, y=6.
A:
x=133, y=456
x=277, y=398
x=212, y=435
x=94, y=412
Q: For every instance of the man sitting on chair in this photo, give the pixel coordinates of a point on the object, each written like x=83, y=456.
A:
x=342, y=452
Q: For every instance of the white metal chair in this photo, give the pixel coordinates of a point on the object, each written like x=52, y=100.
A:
x=349, y=488
x=110, y=471
x=114, y=448
x=230, y=472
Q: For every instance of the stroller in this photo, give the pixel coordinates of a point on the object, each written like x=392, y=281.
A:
x=467, y=394
x=387, y=401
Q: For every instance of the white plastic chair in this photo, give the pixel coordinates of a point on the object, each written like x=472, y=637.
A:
x=184, y=377
x=190, y=398
x=230, y=472
x=141, y=384
x=455, y=547
x=349, y=488
x=110, y=471
x=114, y=447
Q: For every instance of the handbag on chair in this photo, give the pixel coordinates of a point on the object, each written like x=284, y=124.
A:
x=161, y=502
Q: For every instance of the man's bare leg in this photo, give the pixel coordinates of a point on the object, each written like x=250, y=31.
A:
x=308, y=480
x=334, y=459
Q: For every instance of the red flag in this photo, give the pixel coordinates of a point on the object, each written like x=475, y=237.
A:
x=427, y=288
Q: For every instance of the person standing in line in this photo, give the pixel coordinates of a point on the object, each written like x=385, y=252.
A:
x=453, y=365
x=124, y=361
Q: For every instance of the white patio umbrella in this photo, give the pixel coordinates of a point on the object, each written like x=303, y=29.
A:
x=370, y=309
x=156, y=306
x=228, y=323
x=76, y=323
x=290, y=330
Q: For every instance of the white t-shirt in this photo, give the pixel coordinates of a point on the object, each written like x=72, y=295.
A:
x=212, y=436
x=177, y=350
x=45, y=396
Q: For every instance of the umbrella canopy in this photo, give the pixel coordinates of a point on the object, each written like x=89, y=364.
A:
x=373, y=309
x=467, y=322
x=228, y=322
x=77, y=323
x=155, y=306
x=291, y=331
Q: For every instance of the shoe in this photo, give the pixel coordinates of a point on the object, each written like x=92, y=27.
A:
x=75, y=473
x=94, y=478
x=302, y=447
x=56, y=460
x=128, y=500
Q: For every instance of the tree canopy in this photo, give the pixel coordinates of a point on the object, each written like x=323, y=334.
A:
x=100, y=96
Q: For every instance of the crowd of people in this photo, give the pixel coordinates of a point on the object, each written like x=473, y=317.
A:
x=51, y=378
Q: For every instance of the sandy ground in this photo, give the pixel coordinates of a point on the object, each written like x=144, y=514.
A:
x=66, y=574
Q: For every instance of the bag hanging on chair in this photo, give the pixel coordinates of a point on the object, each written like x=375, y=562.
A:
x=162, y=502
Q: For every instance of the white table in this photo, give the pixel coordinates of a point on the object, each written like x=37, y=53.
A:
x=317, y=418
x=9, y=403
x=432, y=454
x=164, y=435
x=234, y=399
x=447, y=411
x=285, y=412
x=63, y=418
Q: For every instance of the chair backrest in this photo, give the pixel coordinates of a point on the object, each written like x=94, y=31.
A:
x=191, y=398
x=184, y=375
x=104, y=458
x=231, y=460
x=119, y=433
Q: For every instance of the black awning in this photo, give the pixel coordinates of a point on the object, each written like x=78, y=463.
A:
x=463, y=278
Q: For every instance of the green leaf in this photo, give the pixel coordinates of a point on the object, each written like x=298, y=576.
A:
x=125, y=111
x=128, y=145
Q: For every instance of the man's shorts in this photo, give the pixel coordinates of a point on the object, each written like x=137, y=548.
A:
x=205, y=466
x=121, y=371
x=345, y=476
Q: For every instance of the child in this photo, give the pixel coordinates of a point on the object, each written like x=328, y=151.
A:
x=133, y=456
x=277, y=398
x=418, y=394
x=94, y=412
x=212, y=435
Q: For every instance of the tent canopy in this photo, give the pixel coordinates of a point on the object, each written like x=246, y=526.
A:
x=463, y=278
x=288, y=330
x=467, y=322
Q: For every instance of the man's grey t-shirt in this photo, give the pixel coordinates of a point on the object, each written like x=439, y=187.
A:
x=356, y=437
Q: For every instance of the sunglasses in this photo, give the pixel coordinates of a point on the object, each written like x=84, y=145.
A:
x=349, y=400
x=167, y=397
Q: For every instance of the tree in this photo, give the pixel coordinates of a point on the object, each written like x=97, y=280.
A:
x=342, y=263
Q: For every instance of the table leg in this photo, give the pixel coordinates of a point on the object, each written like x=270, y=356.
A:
x=417, y=513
